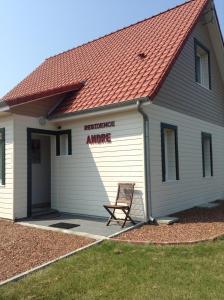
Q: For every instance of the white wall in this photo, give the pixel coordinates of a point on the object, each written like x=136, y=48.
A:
x=83, y=182
x=20, y=194
x=6, y=191
x=192, y=188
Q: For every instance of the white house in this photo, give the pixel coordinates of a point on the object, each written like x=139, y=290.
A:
x=143, y=104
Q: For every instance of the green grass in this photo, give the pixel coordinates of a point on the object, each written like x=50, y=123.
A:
x=121, y=271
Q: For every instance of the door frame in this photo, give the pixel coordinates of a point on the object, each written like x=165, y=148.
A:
x=55, y=133
x=30, y=131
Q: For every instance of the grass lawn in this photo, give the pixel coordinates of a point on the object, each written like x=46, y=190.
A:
x=121, y=271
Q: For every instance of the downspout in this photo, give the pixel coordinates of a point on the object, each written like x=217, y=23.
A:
x=148, y=194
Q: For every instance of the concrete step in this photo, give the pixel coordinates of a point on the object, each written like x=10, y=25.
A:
x=208, y=205
x=45, y=213
x=167, y=220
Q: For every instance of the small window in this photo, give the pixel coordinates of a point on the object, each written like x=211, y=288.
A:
x=36, y=151
x=169, y=149
x=64, y=143
x=2, y=156
x=207, y=159
x=202, y=65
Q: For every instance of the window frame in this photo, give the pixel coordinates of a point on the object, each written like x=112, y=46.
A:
x=2, y=132
x=164, y=126
x=199, y=44
x=58, y=143
x=207, y=135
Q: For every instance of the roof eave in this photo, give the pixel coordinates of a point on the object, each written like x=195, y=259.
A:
x=125, y=105
x=4, y=108
x=12, y=102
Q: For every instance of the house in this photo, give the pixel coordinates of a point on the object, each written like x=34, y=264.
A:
x=144, y=104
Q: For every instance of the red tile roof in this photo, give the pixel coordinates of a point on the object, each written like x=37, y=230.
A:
x=124, y=65
x=41, y=93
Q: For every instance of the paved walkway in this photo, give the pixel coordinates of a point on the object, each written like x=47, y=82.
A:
x=87, y=226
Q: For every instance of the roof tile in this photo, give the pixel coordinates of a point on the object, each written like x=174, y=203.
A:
x=111, y=66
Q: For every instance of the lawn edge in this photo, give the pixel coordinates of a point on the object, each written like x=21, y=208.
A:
x=44, y=265
x=210, y=239
x=98, y=239
x=126, y=229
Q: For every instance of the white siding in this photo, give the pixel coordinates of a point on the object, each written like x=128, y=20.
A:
x=83, y=182
x=192, y=188
x=6, y=191
x=20, y=194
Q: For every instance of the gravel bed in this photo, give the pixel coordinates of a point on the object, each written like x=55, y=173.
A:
x=194, y=225
x=22, y=248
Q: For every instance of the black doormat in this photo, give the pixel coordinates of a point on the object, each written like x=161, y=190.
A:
x=64, y=225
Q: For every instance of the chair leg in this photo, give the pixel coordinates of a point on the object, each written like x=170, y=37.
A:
x=108, y=222
x=127, y=217
x=112, y=216
x=126, y=212
x=109, y=219
x=125, y=220
x=133, y=222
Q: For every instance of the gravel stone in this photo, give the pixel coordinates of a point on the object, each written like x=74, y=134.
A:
x=194, y=225
x=22, y=248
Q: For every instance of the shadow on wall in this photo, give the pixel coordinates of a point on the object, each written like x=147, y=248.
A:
x=138, y=205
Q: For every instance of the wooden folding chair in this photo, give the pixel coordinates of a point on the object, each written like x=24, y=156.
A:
x=123, y=202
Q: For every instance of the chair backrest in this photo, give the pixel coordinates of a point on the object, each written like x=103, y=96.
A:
x=125, y=193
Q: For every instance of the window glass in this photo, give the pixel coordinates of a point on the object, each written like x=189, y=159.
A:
x=1, y=160
x=36, y=151
x=198, y=69
x=170, y=159
x=2, y=156
x=169, y=150
x=64, y=144
x=207, y=155
x=202, y=67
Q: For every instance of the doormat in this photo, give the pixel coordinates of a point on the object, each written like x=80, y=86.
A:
x=64, y=225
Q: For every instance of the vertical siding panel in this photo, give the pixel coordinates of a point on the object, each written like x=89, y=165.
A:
x=181, y=93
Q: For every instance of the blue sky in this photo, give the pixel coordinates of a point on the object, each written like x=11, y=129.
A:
x=31, y=31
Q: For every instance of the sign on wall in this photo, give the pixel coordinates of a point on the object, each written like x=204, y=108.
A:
x=99, y=138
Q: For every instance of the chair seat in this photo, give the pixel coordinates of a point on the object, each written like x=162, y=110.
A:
x=117, y=206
